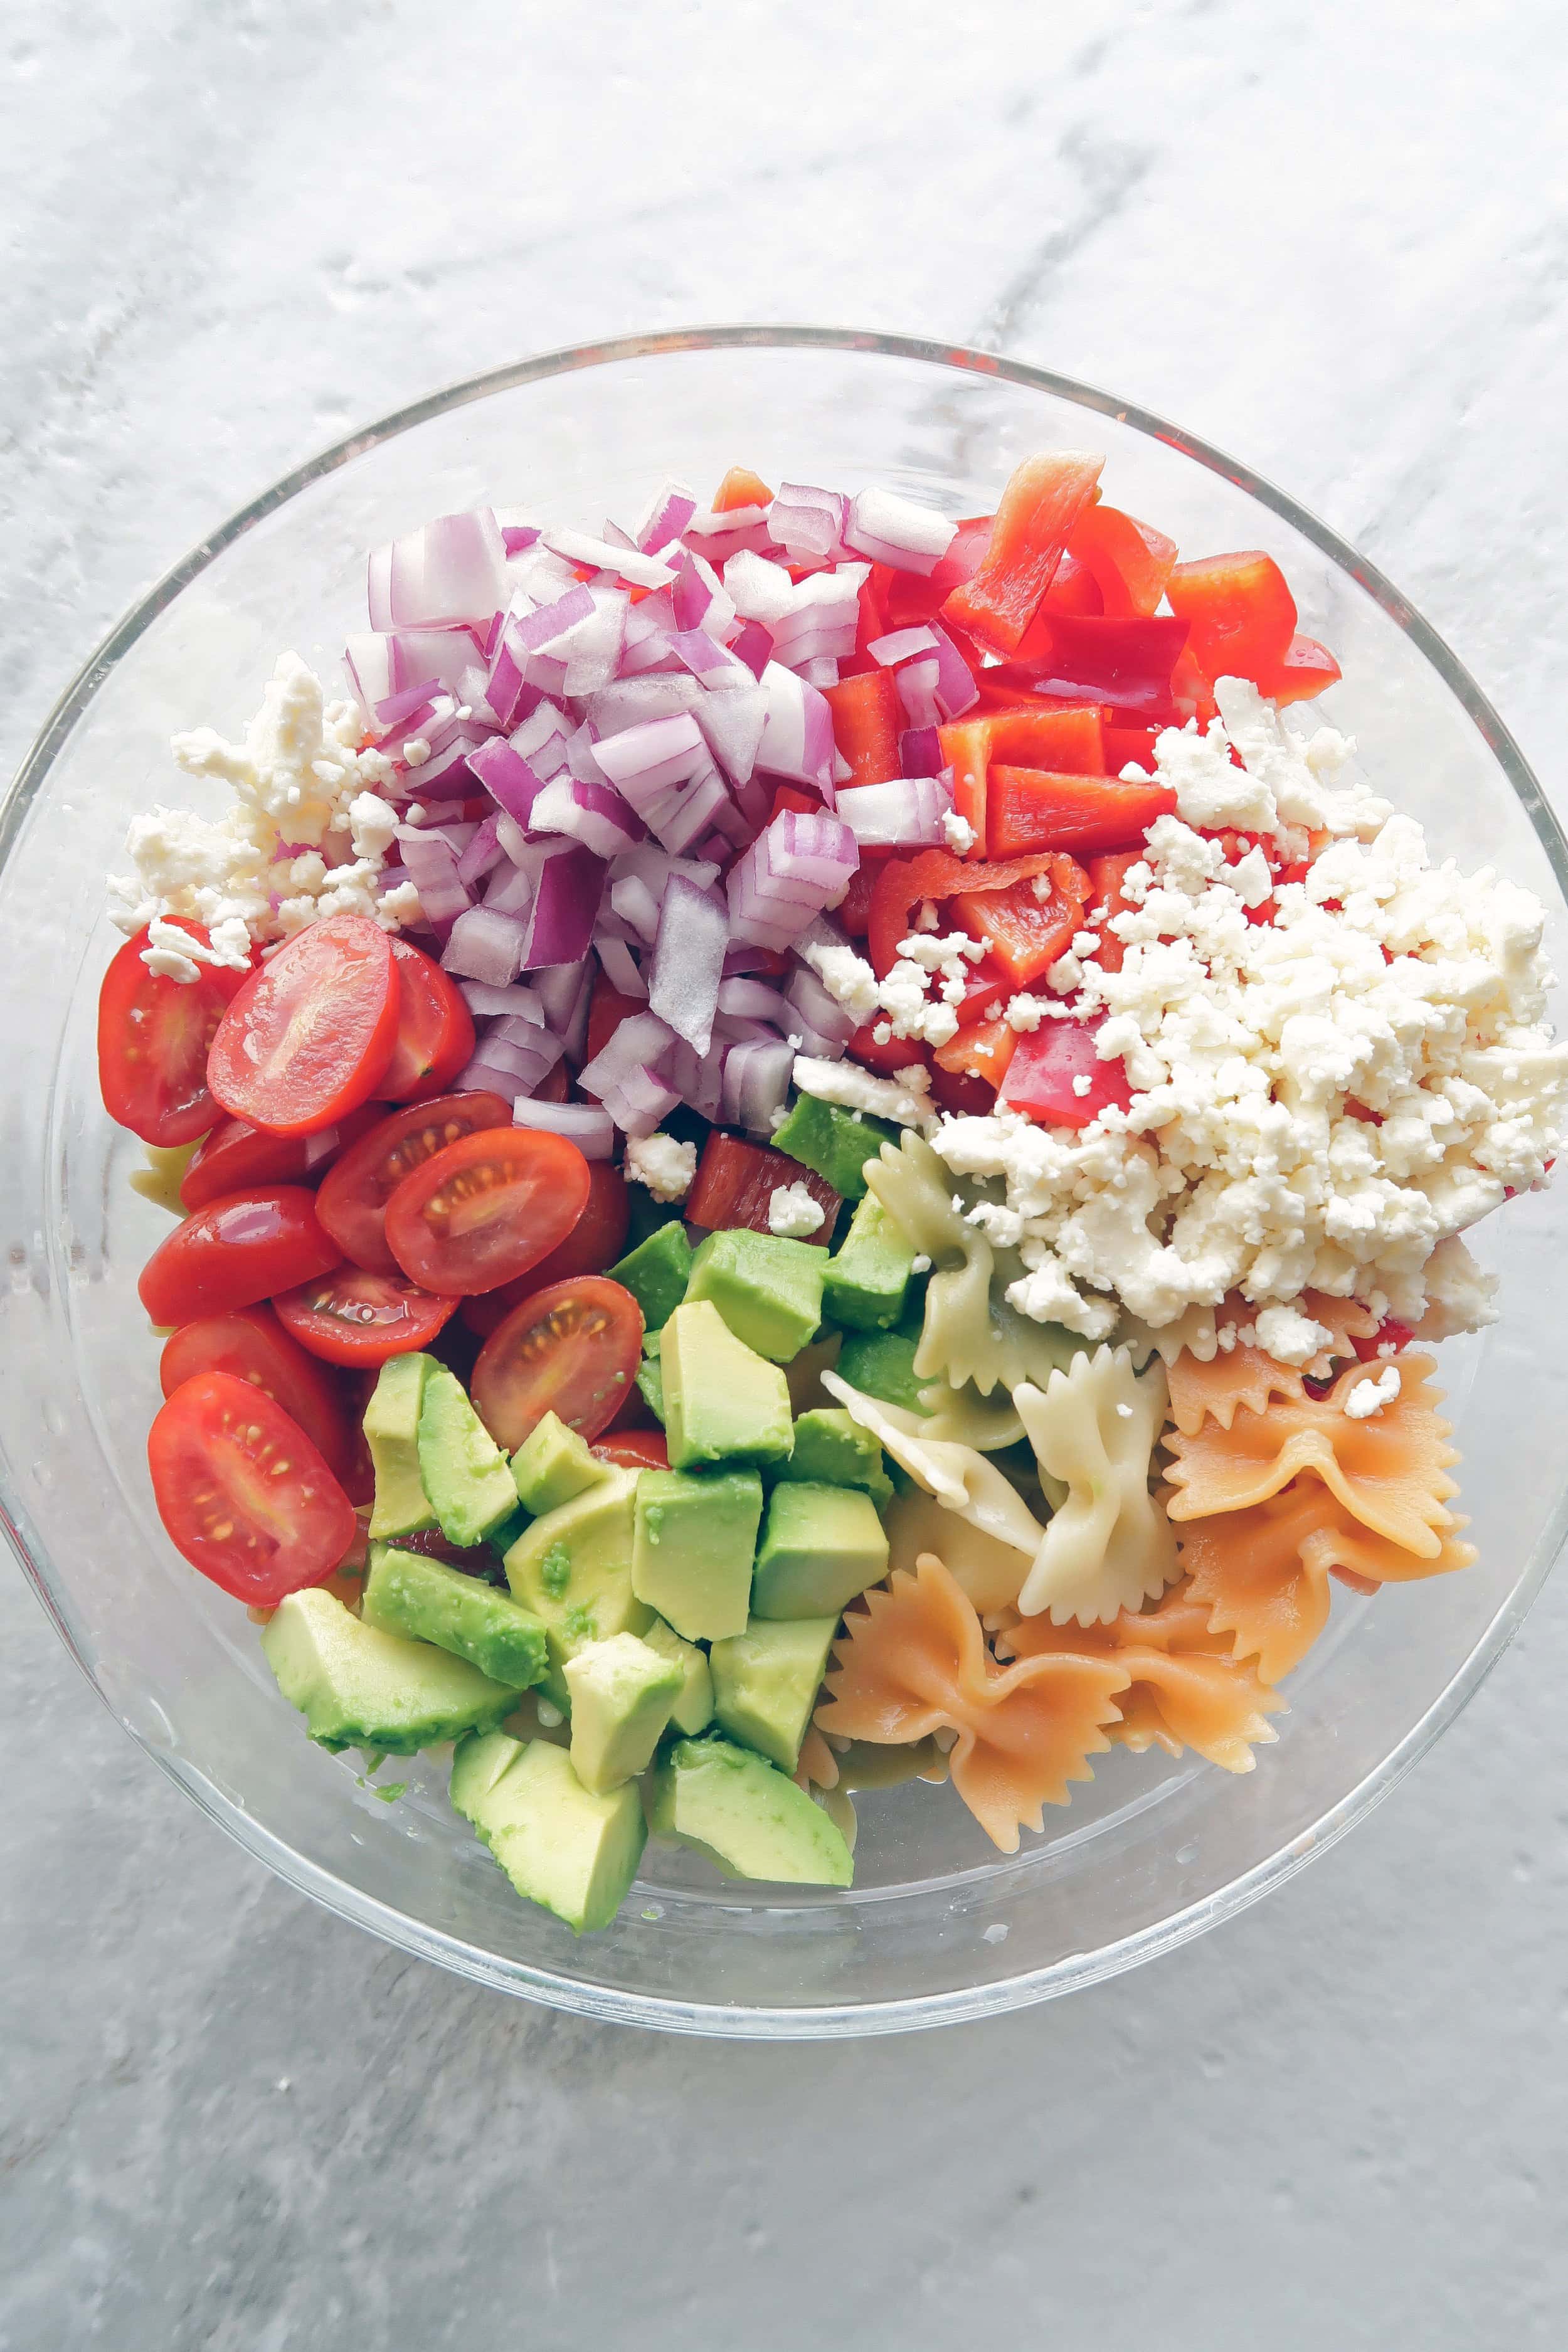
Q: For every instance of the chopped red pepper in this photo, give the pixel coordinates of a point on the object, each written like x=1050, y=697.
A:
x=936, y=874
x=1124, y=659
x=853, y=909
x=965, y=1096
x=1106, y=875
x=870, y=622
x=1030, y=808
x=887, y=1056
x=1047, y=1072
x=736, y=1182
x=1026, y=930
x=791, y=797
x=1066, y=738
x=607, y=1008
x=1040, y=505
x=1242, y=616
x=1131, y=559
x=1130, y=746
x=907, y=598
x=741, y=487
x=983, y=1050
x=1390, y=1333
x=867, y=721
x=1073, y=589
x=1304, y=669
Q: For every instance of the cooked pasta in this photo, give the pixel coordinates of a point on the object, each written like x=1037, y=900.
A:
x=1212, y=1391
x=956, y=1475
x=1110, y=1544
x=991, y=1572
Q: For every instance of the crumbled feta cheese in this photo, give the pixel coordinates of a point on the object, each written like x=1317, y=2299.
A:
x=1368, y=1397
x=793, y=1213
x=1025, y=1012
x=958, y=833
x=847, y=978
x=416, y=750
x=1461, y=1295
x=1290, y=1336
x=1082, y=1085
x=921, y=1263
x=905, y=1097
x=666, y=1166
x=1282, y=783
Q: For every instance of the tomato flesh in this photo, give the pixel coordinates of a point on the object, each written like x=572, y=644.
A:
x=243, y=1493
x=572, y=1350
x=594, y=1243
x=235, y=1155
x=352, y=1202
x=634, y=1449
x=349, y=1315
x=308, y=1037
x=486, y=1209
x=250, y=1344
x=434, y=1029
x=236, y=1250
x=154, y=1037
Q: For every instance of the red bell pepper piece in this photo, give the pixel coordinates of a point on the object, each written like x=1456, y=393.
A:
x=1124, y=660
x=735, y=1184
x=1040, y=505
x=982, y=1050
x=1129, y=745
x=607, y=1008
x=870, y=622
x=1131, y=561
x=1304, y=669
x=965, y=1096
x=866, y=720
x=887, y=1056
x=1074, y=588
x=1043, y=1079
x=853, y=909
x=907, y=598
x=1064, y=737
x=1030, y=808
x=1241, y=613
x=790, y=796
x=937, y=875
x=741, y=487
x=1390, y=1333
x=1025, y=931
x=1106, y=875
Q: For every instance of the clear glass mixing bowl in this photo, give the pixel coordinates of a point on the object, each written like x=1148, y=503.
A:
x=938, y=1926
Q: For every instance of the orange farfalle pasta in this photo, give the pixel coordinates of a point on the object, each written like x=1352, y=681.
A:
x=917, y=1663
x=1346, y=1318
x=1212, y=1392
x=1189, y=1689
x=1389, y=1470
x=816, y=1765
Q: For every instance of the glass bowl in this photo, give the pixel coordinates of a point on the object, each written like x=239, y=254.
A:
x=938, y=1926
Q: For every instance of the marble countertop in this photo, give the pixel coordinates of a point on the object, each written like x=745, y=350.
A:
x=1334, y=238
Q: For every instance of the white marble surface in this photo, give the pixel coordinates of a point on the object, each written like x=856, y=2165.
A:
x=1334, y=238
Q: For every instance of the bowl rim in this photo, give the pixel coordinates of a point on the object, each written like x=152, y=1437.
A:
x=850, y=2018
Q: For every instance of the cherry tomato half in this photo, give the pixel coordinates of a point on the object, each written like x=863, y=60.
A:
x=153, y=1034
x=572, y=1349
x=434, y=1029
x=251, y=1345
x=235, y=1155
x=634, y=1449
x=243, y=1493
x=352, y=1316
x=352, y=1202
x=486, y=1209
x=235, y=1251
x=595, y=1242
x=308, y=1036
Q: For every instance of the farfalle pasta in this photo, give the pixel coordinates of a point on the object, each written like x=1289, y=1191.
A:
x=1109, y=1546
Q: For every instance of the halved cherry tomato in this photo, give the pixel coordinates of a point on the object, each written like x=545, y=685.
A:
x=308, y=1037
x=237, y=1156
x=572, y=1350
x=243, y=1493
x=486, y=1209
x=236, y=1250
x=595, y=1242
x=434, y=1029
x=351, y=1316
x=1048, y=1069
x=251, y=1345
x=634, y=1449
x=153, y=1036
x=352, y=1202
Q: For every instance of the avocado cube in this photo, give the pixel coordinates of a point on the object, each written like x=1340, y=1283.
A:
x=552, y=1464
x=401, y=1507
x=573, y=1567
x=465, y=1473
x=425, y=1601
x=623, y=1693
x=691, y=1554
x=358, y=1686
x=831, y=1449
x=821, y=1546
x=765, y=1683
x=693, y=1710
x=835, y=1141
x=868, y=1279
x=767, y=1288
x=560, y=1845
x=745, y=1816
x=650, y=1376
x=882, y=1363
x=722, y=1402
x=657, y=1273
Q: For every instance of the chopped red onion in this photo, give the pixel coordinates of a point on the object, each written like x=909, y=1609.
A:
x=627, y=563
x=635, y=905
x=756, y=1084
x=387, y=663
x=919, y=751
x=452, y=570
x=671, y=510
x=797, y=735
x=485, y=945
x=823, y=1015
x=895, y=531
x=621, y=968
x=956, y=687
x=633, y=701
x=808, y=524
x=432, y=867
x=532, y=632
x=449, y=775
x=490, y=1003
x=732, y=718
x=905, y=814
x=511, y=1066
x=483, y=852
x=582, y=759
x=798, y=866
x=743, y=956
x=822, y=671
x=901, y=645
x=587, y=1124
x=510, y=890
x=750, y=1000
x=564, y=991
x=824, y=614
x=700, y=600
x=571, y=882
x=688, y=956
x=594, y=814
x=916, y=683
x=753, y=645
x=627, y=1075
x=735, y=1029
x=698, y=1079
x=760, y=589
x=542, y=738
x=719, y=536
x=511, y=781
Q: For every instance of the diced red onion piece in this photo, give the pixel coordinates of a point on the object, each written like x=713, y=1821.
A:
x=750, y=1000
x=821, y=672
x=698, y=1079
x=415, y=702
x=564, y=991
x=822, y=1015
x=919, y=751
x=510, y=890
x=743, y=956
x=490, y=1003
x=594, y=814
x=732, y=720
x=719, y=536
x=671, y=510
x=515, y=1065
x=532, y=632
x=702, y=600
x=451, y=570
x=510, y=778
x=485, y=946
x=797, y=735
x=753, y=645
x=916, y=683
x=432, y=867
x=636, y=904
x=808, y=523
x=587, y=1124
x=639, y=568
x=756, y=1084
x=627, y=1075
x=621, y=968
x=688, y=956
x=902, y=644
x=799, y=865
x=905, y=813
x=483, y=852
x=895, y=531
x=571, y=883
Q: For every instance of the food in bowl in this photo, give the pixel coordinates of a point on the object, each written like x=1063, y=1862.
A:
x=814, y=1144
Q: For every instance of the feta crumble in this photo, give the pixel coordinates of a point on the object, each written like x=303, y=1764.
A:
x=661, y=1162
x=905, y=1097
x=793, y=1213
x=1368, y=1397
x=958, y=833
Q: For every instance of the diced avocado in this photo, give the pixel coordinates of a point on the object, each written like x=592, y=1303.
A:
x=806, y=1393
x=358, y=1686
x=868, y=1279
x=657, y=1273
x=573, y=1569
x=883, y=1364
x=552, y=1464
x=465, y=1473
x=427, y=1602
x=693, y=1710
x=402, y=1507
x=835, y=1141
x=558, y=1844
x=501, y=1539
x=832, y=1450
x=765, y=1682
x=722, y=1402
x=650, y=1375
x=767, y=1288
x=623, y=1693
x=691, y=1554
x=746, y=1817
x=822, y=1545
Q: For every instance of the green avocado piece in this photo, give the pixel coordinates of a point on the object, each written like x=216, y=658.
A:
x=650, y=1375
x=693, y=1710
x=558, y=1844
x=623, y=1694
x=745, y=1816
x=691, y=1554
x=465, y=1473
x=401, y=1507
x=835, y=1141
x=573, y=1567
x=883, y=1364
x=822, y=1545
x=427, y=1602
x=359, y=1687
x=722, y=1402
x=552, y=1464
x=765, y=1683
x=657, y=1273
x=767, y=1288
x=868, y=1279
x=833, y=1450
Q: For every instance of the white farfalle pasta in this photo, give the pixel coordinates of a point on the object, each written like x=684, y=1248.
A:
x=1110, y=1546
x=963, y=1418
x=991, y=1572
x=956, y=1475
